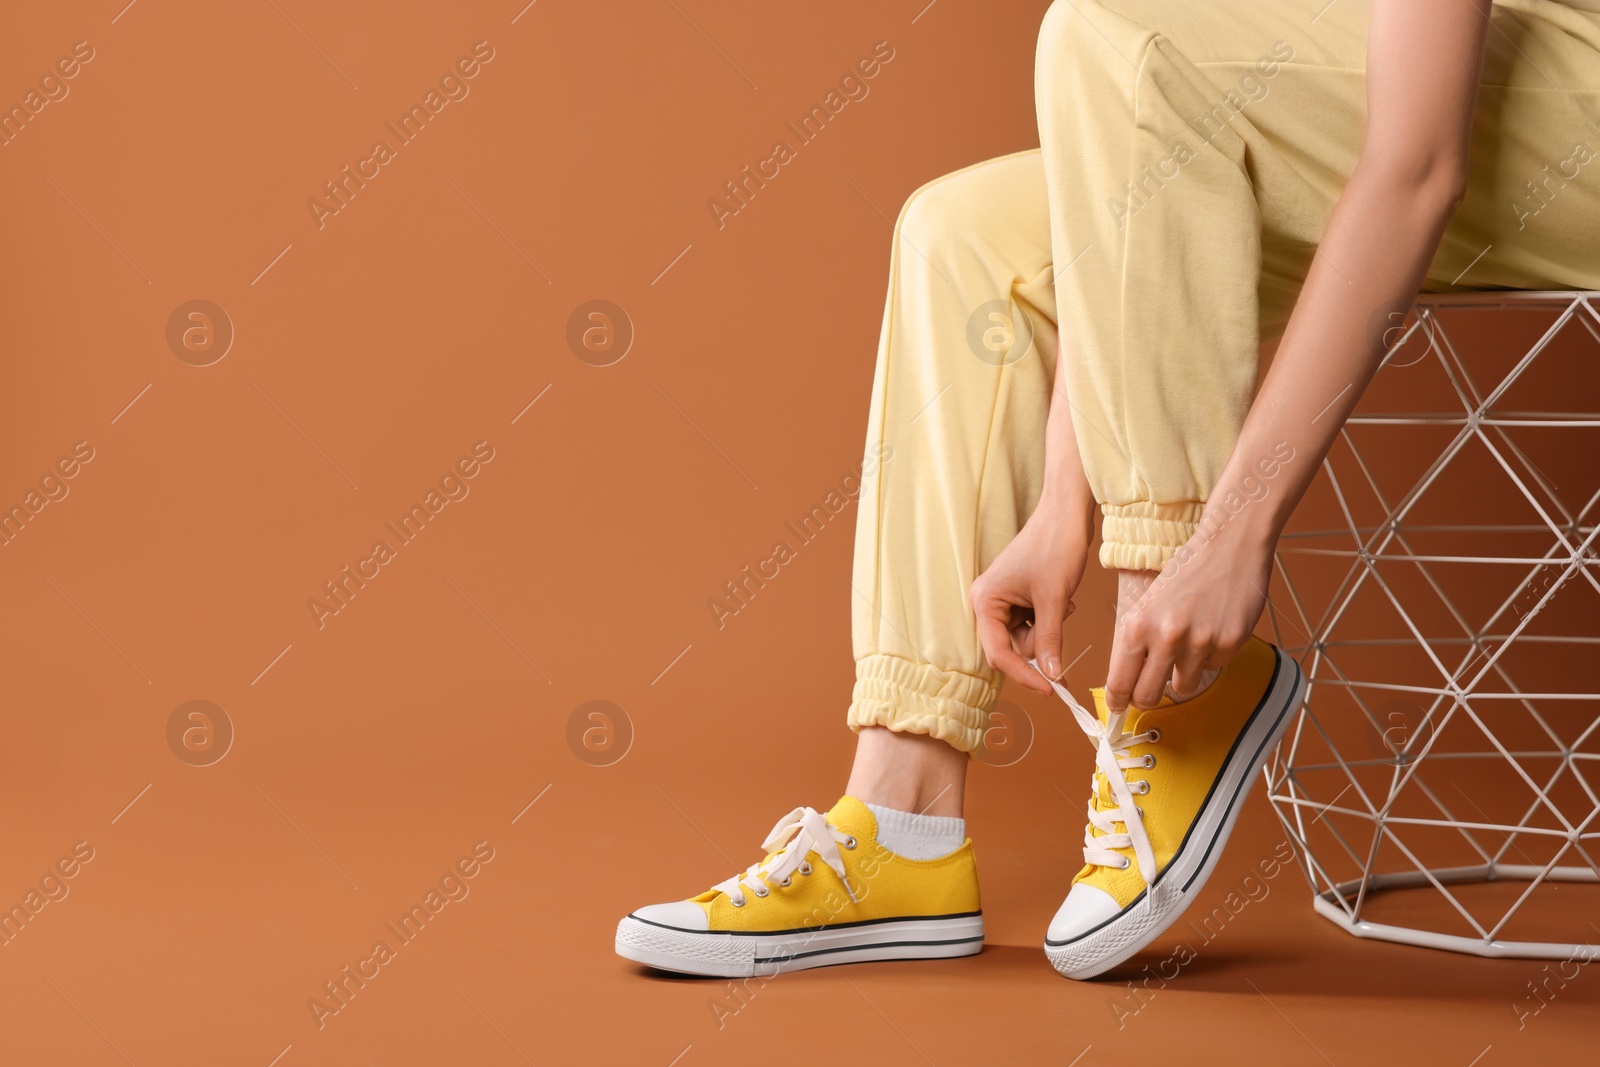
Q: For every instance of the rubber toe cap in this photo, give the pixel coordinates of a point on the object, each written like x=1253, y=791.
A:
x=680, y=915
x=1084, y=909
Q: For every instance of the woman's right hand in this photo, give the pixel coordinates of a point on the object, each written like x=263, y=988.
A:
x=1032, y=580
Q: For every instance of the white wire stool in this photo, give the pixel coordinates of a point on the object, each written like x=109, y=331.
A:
x=1441, y=588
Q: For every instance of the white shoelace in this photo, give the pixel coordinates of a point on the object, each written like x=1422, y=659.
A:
x=797, y=835
x=1111, y=742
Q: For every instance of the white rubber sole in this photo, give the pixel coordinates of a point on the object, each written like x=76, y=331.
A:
x=1148, y=917
x=746, y=955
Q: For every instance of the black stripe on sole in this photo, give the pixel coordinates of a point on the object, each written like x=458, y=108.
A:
x=808, y=929
x=861, y=948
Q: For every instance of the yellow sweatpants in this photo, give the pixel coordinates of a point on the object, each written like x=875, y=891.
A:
x=1191, y=153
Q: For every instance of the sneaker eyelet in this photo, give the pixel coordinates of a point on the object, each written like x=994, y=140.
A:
x=805, y=868
x=1140, y=810
x=762, y=892
x=1126, y=863
x=1144, y=788
x=1155, y=735
x=850, y=844
x=736, y=903
x=785, y=882
x=1149, y=760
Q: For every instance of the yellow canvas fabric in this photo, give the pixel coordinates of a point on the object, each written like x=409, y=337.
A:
x=887, y=886
x=1196, y=738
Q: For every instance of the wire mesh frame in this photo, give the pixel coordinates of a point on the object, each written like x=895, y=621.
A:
x=1574, y=535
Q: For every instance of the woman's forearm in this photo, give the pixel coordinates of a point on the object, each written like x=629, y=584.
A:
x=1374, y=253
x=1424, y=61
x=1382, y=236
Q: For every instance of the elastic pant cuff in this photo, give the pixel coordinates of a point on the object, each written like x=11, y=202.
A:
x=1143, y=536
x=919, y=698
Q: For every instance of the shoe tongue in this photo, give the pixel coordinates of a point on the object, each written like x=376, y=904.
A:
x=1131, y=721
x=853, y=817
x=1100, y=708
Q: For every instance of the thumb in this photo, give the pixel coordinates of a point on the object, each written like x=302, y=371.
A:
x=1047, y=637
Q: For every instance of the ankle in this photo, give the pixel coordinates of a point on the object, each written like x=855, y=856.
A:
x=908, y=772
x=918, y=837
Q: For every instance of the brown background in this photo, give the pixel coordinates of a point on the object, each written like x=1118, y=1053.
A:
x=369, y=355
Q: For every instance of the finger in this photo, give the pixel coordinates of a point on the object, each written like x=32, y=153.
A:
x=1152, y=679
x=1127, y=662
x=1022, y=642
x=1189, y=673
x=1225, y=650
x=1047, y=637
x=1022, y=632
x=995, y=637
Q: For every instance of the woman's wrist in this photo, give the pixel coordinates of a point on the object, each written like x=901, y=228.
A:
x=1252, y=501
x=1251, y=528
x=1068, y=506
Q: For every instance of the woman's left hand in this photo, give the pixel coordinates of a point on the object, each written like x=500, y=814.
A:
x=1190, y=620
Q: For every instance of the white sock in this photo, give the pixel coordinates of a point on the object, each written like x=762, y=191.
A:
x=1206, y=678
x=918, y=837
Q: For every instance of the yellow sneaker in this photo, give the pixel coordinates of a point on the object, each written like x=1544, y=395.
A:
x=1168, y=785
x=826, y=893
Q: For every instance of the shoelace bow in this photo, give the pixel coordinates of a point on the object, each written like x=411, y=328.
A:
x=796, y=835
x=1111, y=742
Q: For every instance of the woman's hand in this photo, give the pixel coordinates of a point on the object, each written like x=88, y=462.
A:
x=1191, y=619
x=1032, y=580
x=1370, y=261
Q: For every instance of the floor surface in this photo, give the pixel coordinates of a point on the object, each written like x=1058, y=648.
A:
x=192, y=877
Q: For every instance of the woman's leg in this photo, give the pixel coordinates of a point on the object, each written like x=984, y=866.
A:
x=1532, y=210
x=953, y=467
x=959, y=402
x=1154, y=118
x=1161, y=189
x=1193, y=153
